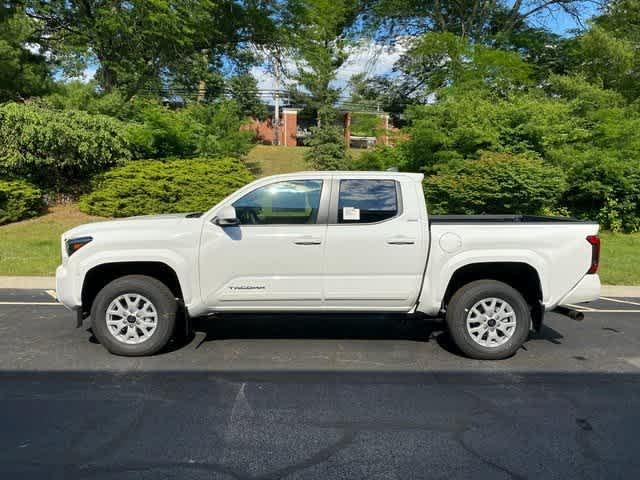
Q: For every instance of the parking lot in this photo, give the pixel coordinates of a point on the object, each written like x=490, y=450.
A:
x=282, y=396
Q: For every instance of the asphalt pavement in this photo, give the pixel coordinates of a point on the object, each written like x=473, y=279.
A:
x=306, y=397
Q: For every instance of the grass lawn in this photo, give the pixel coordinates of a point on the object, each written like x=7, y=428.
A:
x=32, y=247
x=620, y=262
x=265, y=160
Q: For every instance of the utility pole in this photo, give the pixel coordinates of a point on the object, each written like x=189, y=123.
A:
x=202, y=85
x=276, y=116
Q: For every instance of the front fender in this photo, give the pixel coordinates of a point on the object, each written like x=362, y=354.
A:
x=184, y=269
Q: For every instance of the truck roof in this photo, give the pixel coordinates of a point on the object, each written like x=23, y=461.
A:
x=417, y=177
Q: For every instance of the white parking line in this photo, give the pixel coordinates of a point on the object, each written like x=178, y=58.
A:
x=612, y=311
x=620, y=301
x=581, y=308
x=52, y=293
x=584, y=309
x=31, y=303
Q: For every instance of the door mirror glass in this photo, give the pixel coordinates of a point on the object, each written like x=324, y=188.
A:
x=227, y=217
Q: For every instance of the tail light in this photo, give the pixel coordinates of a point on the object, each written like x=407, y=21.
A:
x=594, y=240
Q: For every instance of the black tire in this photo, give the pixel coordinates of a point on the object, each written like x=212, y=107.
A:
x=157, y=293
x=463, y=301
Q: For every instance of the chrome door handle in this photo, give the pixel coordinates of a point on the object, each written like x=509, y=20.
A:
x=308, y=241
x=401, y=241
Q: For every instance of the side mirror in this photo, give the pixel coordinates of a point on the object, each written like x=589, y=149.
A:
x=226, y=217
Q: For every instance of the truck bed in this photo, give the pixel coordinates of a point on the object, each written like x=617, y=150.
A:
x=504, y=219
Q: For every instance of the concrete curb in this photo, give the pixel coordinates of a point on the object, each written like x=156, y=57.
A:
x=45, y=283
x=49, y=283
x=620, y=291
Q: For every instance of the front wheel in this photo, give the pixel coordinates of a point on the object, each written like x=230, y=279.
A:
x=488, y=320
x=134, y=315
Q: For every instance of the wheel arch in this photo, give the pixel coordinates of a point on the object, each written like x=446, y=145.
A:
x=100, y=275
x=520, y=275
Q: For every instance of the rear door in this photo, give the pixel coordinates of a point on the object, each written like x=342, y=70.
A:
x=376, y=245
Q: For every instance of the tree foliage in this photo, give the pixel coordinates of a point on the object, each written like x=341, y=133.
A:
x=475, y=19
x=320, y=39
x=23, y=72
x=327, y=148
x=208, y=130
x=243, y=89
x=139, y=44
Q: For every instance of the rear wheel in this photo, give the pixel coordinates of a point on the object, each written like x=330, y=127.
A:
x=134, y=315
x=488, y=320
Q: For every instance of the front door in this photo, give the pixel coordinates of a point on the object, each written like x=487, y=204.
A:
x=274, y=258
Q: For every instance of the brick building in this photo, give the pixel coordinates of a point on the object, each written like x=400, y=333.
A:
x=292, y=132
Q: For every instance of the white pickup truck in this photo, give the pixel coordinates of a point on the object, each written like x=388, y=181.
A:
x=327, y=242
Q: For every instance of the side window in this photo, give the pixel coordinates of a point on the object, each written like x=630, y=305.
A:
x=367, y=201
x=281, y=203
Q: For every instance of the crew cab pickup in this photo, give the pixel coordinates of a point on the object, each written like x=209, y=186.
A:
x=327, y=242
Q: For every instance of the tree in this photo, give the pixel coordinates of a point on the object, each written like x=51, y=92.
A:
x=328, y=150
x=23, y=72
x=439, y=60
x=608, y=61
x=607, y=53
x=321, y=40
x=243, y=89
x=474, y=19
x=143, y=44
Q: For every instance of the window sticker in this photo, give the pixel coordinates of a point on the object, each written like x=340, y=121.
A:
x=351, y=213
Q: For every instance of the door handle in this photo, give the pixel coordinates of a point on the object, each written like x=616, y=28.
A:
x=401, y=241
x=307, y=241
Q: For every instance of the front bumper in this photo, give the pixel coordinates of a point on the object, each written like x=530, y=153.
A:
x=587, y=290
x=66, y=291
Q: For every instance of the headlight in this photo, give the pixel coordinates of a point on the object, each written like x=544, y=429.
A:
x=75, y=244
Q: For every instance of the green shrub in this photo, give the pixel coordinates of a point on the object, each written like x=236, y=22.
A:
x=205, y=130
x=58, y=150
x=379, y=158
x=164, y=186
x=219, y=131
x=606, y=188
x=496, y=183
x=77, y=95
x=19, y=200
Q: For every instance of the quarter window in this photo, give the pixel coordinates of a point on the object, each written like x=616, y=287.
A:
x=367, y=201
x=281, y=203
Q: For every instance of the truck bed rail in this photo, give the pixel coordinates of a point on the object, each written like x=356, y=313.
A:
x=504, y=219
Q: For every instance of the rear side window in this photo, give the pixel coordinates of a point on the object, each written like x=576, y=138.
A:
x=367, y=201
